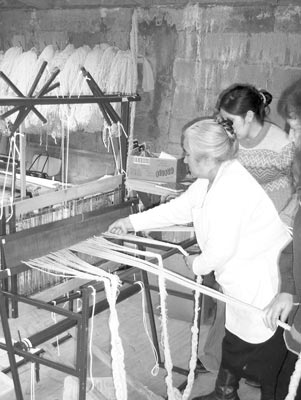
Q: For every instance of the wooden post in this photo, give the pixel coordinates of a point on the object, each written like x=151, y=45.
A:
x=22, y=163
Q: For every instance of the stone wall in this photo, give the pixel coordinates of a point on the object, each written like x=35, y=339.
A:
x=195, y=52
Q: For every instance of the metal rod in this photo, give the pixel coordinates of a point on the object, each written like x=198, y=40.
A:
x=21, y=362
x=82, y=345
x=151, y=315
x=10, y=112
x=98, y=92
x=19, y=93
x=44, y=361
x=37, y=79
x=42, y=304
x=125, y=120
x=47, y=100
x=4, y=283
x=23, y=113
x=65, y=324
x=101, y=106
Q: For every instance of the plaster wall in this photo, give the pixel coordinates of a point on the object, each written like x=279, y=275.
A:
x=195, y=52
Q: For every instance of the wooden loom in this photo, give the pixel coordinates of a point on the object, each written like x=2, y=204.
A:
x=23, y=105
x=41, y=240
x=46, y=238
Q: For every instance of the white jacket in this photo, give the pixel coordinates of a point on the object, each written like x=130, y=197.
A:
x=241, y=236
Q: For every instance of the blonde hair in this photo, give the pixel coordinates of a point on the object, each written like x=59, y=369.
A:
x=207, y=137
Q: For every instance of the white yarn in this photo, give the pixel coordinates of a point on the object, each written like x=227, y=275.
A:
x=13, y=151
x=105, y=66
x=155, y=369
x=65, y=261
x=294, y=381
x=88, y=116
x=54, y=113
x=21, y=74
x=32, y=121
x=171, y=392
x=117, y=353
x=194, y=343
x=7, y=65
x=90, y=247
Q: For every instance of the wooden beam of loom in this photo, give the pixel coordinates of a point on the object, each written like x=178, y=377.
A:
x=44, y=239
x=75, y=192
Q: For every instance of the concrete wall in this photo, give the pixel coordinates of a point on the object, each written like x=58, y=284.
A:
x=195, y=51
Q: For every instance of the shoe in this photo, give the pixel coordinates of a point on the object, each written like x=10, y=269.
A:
x=200, y=367
x=252, y=383
x=226, y=387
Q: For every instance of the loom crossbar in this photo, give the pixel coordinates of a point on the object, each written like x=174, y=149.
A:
x=44, y=239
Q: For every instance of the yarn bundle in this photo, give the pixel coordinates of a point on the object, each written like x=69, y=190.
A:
x=113, y=70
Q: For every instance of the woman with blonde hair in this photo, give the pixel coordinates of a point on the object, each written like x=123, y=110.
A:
x=240, y=236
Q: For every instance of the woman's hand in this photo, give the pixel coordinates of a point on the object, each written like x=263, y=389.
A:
x=279, y=307
x=121, y=226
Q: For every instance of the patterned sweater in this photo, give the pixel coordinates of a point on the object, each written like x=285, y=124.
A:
x=270, y=163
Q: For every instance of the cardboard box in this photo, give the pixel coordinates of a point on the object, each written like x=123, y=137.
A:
x=156, y=169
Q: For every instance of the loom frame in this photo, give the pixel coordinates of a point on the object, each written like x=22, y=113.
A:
x=24, y=105
x=87, y=225
x=14, y=241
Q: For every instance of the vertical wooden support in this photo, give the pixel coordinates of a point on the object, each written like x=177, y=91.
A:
x=3, y=223
x=82, y=345
x=22, y=142
x=10, y=349
x=4, y=282
x=125, y=119
x=151, y=315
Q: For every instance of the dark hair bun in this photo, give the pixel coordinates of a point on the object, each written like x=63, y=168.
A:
x=265, y=96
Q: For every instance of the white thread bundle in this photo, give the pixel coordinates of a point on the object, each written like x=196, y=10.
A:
x=32, y=122
x=117, y=352
x=103, y=251
x=7, y=65
x=112, y=76
x=294, y=381
x=13, y=151
x=139, y=239
x=105, y=66
x=88, y=116
x=21, y=75
x=194, y=343
x=66, y=263
x=90, y=247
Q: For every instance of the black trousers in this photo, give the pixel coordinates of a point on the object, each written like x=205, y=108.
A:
x=261, y=361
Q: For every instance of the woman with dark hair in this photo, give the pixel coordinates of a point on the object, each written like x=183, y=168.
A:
x=240, y=236
x=287, y=303
x=267, y=152
x=264, y=148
